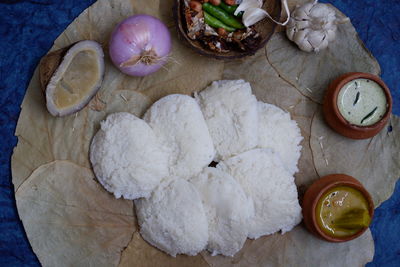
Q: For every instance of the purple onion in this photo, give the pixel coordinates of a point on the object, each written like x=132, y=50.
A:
x=140, y=45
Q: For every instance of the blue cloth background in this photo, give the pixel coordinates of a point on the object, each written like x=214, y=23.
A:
x=27, y=31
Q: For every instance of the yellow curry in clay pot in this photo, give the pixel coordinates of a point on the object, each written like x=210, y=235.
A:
x=337, y=208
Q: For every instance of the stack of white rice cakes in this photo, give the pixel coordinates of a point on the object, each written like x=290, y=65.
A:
x=185, y=206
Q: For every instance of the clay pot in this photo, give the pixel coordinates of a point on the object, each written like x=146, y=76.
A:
x=335, y=119
x=317, y=190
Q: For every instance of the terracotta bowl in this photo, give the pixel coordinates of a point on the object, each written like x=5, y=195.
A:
x=336, y=121
x=264, y=27
x=317, y=190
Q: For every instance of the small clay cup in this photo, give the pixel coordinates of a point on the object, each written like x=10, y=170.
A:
x=335, y=119
x=316, y=191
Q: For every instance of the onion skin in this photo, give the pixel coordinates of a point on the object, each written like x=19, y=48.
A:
x=140, y=45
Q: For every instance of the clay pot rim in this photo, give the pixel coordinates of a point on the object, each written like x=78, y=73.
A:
x=339, y=180
x=357, y=75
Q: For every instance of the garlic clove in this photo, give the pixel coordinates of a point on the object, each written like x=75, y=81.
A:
x=329, y=24
x=316, y=38
x=300, y=36
x=298, y=16
x=290, y=32
x=291, y=23
x=322, y=45
x=331, y=34
x=253, y=15
x=305, y=46
x=301, y=39
x=302, y=24
x=303, y=11
x=246, y=4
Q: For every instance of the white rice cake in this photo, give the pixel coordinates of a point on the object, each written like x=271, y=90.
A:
x=180, y=126
x=173, y=218
x=276, y=130
x=227, y=208
x=127, y=157
x=263, y=177
x=230, y=110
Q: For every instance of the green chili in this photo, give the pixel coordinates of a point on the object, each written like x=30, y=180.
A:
x=228, y=8
x=231, y=9
x=213, y=22
x=222, y=15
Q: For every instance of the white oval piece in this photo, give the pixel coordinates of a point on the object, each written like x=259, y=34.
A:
x=173, y=218
x=230, y=110
x=127, y=157
x=178, y=123
x=227, y=208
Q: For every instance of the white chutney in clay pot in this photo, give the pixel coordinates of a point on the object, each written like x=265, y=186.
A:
x=362, y=102
x=357, y=105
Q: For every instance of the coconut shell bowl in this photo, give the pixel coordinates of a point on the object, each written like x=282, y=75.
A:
x=265, y=28
x=327, y=186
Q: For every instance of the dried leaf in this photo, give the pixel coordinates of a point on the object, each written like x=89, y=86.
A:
x=139, y=253
x=298, y=248
x=70, y=220
x=66, y=213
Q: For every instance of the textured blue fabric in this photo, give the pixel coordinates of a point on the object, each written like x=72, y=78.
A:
x=27, y=31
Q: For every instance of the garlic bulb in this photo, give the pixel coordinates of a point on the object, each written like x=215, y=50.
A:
x=312, y=26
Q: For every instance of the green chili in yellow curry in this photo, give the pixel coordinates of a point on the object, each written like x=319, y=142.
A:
x=342, y=211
